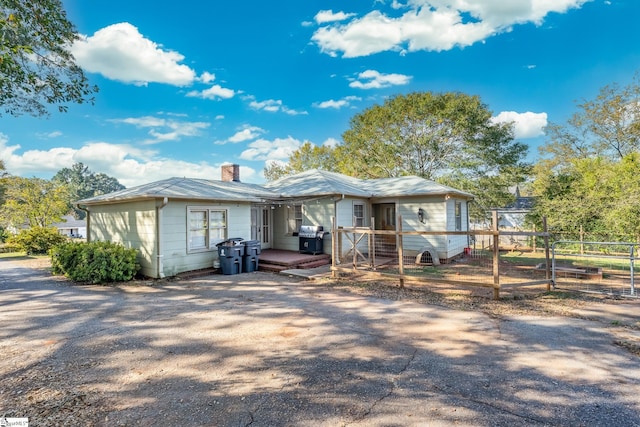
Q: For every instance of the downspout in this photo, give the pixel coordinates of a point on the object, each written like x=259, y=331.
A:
x=88, y=216
x=159, y=265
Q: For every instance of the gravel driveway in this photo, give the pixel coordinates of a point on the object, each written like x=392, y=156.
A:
x=264, y=350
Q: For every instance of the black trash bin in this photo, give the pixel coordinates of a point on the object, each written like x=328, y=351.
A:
x=251, y=255
x=230, y=254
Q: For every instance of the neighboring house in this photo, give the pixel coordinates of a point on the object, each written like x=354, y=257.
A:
x=512, y=217
x=176, y=223
x=71, y=227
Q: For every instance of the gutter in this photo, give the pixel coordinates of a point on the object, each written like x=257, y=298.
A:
x=159, y=265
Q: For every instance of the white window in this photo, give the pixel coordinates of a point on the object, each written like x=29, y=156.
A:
x=294, y=218
x=458, y=213
x=358, y=214
x=206, y=228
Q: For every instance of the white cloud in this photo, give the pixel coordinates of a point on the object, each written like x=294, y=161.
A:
x=433, y=25
x=372, y=79
x=337, y=104
x=207, y=77
x=273, y=106
x=333, y=104
x=215, y=91
x=54, y=134
x=331, y=142
x=278, y=149
x=246, y=133
x=325, y=16
x=129, y=165
x=163, y=130
x=120, y=52
x=526, y=125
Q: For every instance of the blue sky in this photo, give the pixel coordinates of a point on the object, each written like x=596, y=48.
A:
x=187, y=86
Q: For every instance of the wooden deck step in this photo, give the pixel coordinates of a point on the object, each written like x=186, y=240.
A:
x=273, y=268
x=313, y=264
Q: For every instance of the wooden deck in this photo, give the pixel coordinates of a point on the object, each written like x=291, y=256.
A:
x=273, y=260
x=277, y=260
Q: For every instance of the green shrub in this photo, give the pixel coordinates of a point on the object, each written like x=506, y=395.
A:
x=36, y=240
x=94, y=262
x=4, y=235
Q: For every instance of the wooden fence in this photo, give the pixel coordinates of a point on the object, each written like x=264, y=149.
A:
x=477, y=264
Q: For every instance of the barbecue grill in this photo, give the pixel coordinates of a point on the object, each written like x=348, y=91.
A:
x=311, y=239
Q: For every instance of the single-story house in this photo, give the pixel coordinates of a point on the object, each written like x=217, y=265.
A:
x=512, y=217
x=71, y=227
x=176, y=223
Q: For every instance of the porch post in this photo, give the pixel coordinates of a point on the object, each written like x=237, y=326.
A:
x=334, y=245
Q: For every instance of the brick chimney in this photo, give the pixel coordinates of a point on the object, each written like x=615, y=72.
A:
x=230, y=172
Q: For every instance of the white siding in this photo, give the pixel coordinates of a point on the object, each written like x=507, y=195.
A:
x=175, y=258
x=456, y=243
x=131, y=224
x=344, y=218
x=282, y=239
x=316, y=212
x=134, y=225
x=435, y=219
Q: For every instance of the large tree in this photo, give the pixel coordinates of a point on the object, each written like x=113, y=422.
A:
x=34, y=202
x=446, y=137
x=308, y=156
x=587, y=177
x=3, y=173
x=82, y=183
x=607, y=126
x=36, y=67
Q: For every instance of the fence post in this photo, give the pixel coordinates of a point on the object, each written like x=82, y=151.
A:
x=547, y=269
x=496, y=256
x=334, y=250
x=372, y=244
x=400, y=250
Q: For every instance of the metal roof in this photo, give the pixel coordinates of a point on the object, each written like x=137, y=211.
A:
x=315, y=182
x=312, y=183
x=321, y=183
x=188, y=188
x=69, y=221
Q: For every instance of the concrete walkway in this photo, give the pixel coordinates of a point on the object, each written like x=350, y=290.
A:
x=262, y=349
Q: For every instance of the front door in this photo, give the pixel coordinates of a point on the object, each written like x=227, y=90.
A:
x=261, y=226
x=385, y=219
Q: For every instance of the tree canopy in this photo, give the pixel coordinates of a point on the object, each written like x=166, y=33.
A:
x=446, y=137
x=34, y=202
x=36, y=67
x=607, y=126
x=589, y=174
x=82, y=183
x=308, y=156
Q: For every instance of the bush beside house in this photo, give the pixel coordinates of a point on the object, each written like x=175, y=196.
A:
x=94, y=262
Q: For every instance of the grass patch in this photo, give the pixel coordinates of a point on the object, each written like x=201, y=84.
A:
x=15, y=255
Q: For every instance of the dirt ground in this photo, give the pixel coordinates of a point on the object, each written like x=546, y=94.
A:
x=268, y=350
